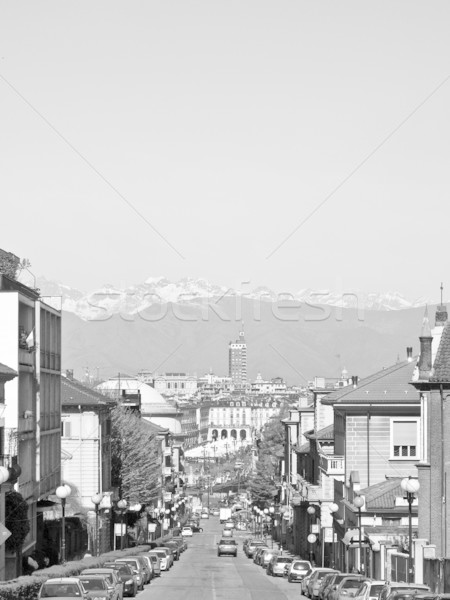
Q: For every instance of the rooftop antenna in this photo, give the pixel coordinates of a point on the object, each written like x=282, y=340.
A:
x=442, y=291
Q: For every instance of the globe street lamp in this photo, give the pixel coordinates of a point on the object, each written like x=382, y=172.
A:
x=333, y=508
x=96, y=499
x=410, y=487
x=358, y=501
x=311, y=512
x=63, y=491
x=122, y=506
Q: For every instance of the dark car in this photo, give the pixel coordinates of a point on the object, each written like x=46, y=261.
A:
x=126, y=576
x=175, y=547
x=227, y=546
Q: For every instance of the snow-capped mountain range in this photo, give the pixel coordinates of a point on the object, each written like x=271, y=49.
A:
x=109, y=300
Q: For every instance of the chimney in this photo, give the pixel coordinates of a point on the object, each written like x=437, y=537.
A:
x=355, y=380
x=425, y=360
x=409, y=353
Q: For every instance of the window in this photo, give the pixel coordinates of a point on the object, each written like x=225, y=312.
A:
x=404, y=436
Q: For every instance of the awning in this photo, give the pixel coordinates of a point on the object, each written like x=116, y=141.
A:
x=351, y=539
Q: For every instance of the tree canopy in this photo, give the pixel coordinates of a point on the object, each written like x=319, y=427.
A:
x=136, y=460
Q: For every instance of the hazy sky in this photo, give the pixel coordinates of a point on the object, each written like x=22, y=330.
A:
x=225, y=124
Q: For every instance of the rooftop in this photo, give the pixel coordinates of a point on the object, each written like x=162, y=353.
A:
x=382, y=495
x=73, y=392
x=441, y=367
x=388, y=386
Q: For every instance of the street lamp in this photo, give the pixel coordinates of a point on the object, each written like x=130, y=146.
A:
x=122, y=506
x=63, y=491
x=96, y=499
x=312, y=538
x=333, y=508
x=410, y=486
x=358, y=501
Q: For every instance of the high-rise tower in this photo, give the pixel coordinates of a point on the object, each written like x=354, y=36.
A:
x=237, y=357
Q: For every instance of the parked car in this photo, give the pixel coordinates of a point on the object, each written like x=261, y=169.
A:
x=175, y=547
x=369, y=590
x=228, y=525
x=227, y=546
x=112, y=579
x=148, y=565
x=137, y=569
x=170, y=556
x=252, y=546
x=347, y=587
x=227, y=533
x=183, y=543
x=393, y=586
x=126, y=576
x=316, y=579
x=277, y=565
x=325, y=583
x=297, y=570
x=258, y=553
x=197, y=529
x=62, y=588
x=204, y=515
x=266, y=556
x=164, y=563
x=216, y=512
x=187, y=531
x=332, y=584
x=156, y=563
x=305, y=580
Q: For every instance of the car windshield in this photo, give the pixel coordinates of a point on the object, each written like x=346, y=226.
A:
x=133, y=563
x=351, y=583
x=375, y=589
x=283, y=559
x=228, y=542
x=321, y=575
x=91, y=583
x=301, y=565
x=63, y=590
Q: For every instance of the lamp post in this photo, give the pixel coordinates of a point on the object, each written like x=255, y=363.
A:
x=358, y=501
x=63, y=491
x=333, y=508
x=410, y=486
x=312, y=538
x=122, y=506
x=96, y=499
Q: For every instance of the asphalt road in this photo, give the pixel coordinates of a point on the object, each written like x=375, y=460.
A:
x=201, y=575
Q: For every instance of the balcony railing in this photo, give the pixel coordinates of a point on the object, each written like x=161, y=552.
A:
x=26, y=357
x=332, y=464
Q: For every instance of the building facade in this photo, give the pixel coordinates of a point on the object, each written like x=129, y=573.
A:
x=30, y=343
x=237, y=362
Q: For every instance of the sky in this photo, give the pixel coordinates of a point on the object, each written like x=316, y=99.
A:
x=289, y=144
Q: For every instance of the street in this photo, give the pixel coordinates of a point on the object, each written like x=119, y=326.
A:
x=201, y=575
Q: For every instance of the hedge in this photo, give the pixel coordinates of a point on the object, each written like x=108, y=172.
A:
x=28, y=586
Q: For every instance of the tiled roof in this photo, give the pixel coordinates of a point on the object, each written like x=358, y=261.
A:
x=153, y=427
x=327, y=433
x=441, y=367
x=383, y=494
x=7, y=372
x=73, y=392
x=391, y=385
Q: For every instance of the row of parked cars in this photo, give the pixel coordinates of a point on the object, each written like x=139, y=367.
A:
x=117, y=578
x=319, y=583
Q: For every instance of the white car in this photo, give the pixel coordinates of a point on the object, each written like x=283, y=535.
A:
x=187, y=532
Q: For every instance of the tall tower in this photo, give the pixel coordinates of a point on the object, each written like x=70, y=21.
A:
x=237, y=361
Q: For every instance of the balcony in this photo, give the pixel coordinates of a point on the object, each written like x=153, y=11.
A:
x=167, y=471
x=168, y=451
x=331, y=464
